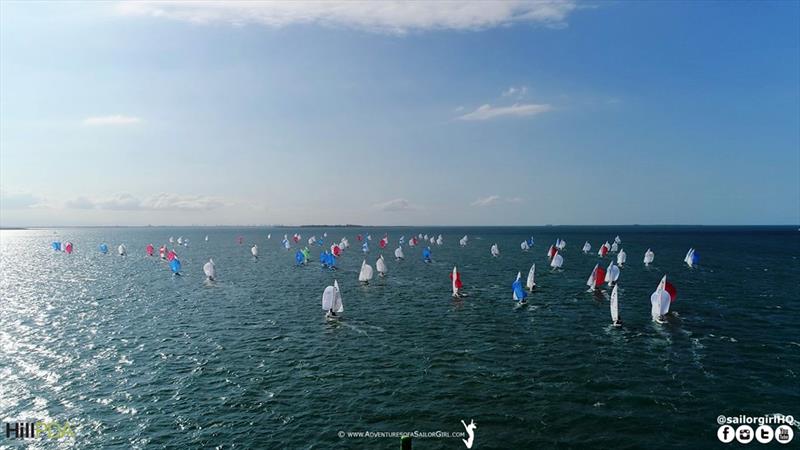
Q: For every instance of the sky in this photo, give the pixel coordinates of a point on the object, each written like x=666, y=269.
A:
x=399, y=113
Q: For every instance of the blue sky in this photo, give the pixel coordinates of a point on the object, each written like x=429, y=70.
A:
x=480, y=113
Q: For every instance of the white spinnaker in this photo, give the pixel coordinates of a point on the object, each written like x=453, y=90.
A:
x=592, y=282
x=209, y=269
x=254, y=250
x=557, y=261
x=587, y=247
x=612, y=273
x=614, y=247
x=495, y=250
x=398, y=253
x=660, y=300
x=463, y=241
x=530, y=283
x=338, y=305
x=615, y=304
x=649, y=256
x=453, y=281
x=328, y=296
x=622, y=257
x=380, y=265
x=366, y=272
x=122, y=250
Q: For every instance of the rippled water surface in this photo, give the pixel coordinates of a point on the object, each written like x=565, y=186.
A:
x=134, y=357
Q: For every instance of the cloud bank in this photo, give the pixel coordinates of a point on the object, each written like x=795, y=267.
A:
x=494, y=200
x=389, y=16
x=159, y=202
x=398, y=204
x=487, y=111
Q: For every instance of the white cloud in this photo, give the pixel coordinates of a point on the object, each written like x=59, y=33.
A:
x=159, y=202
x=387, y=16
x=398, y=204
x=493, y=200
x=487, y=111
x=518, y=92
x=18, y=200
x=111, y=120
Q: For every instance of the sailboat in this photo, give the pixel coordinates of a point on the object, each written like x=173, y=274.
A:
x=587, y=247
x=614, y=247
x=455, y=280
x=518, y=294
x=661, y=300
x=557, y=261
x=380, y=265
x=299, y=257
x=171, y=240
x=531, y=282
x=621, y=257
x=560, y=244
x=612, y=274
x=439, y=240
x=384, y=241
x=332, y=301
x=495, y=250
x=551, y=252
x=426, y=254
x=614, y=305
x=149, y=249
x=68, y=248
x=463, y=241
x=366, y=272
x=398, y=253
x=122, y=250
x=210, y=270
x=692, y=258
x=206, y=238
x=254, y=250
x=365, y=247
x=175, y=265
x=524, y=246
x=180, y=240
x=103, y=247
x=596, y=278
x=269, y=236
x=603, y=250
x=617, y=240
x=648, y=257
x=162, y=252
x=402, y=240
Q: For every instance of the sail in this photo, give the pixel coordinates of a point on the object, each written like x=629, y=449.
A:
x=380, y=266
x=328, y=298
x=180, y=240
x=614, y=247
x=312, y=240
x=175, y=265
x=209, y=269
x=426, y=254
x=661, y=299
x=299, y=258
x=68, y=247
x=560, y=244
x=439, y=240
x=612, y=273
x=617, y=240
x=338, y=305
x=366, y=272
x=603, y=250
x=254, y=250
x=622, y=257
x=524, y=246
x=649, y=256
x=122, y=250
x=495, y=250
x=398, y=253
x=455, y=279
x=104, y=248
x=171, y=240
x=587, y=247
x=592, y=280
x=557, y=261
x=383, y=242
x=149, y=249
x=171, y=255
x=531, y=282
x=365, y=247
x=518, y=293
x=615, y=304
x=463, y=241
x=206, y=238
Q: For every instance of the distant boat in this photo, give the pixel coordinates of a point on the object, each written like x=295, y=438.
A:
x=398, y=253
x=692, y=258
x=180, y=240
x=560, y=244
x=614, y=247
x=175, y=265
x=210, y=270
x=171, y=240
x=463, y=241
x=336, y=250
x=531, y=282
x=269, y=236
x=365, y=247
x=551, y=252
x=171, y=255
x=149, y=249
x=587, y=247
x=402, y=240
x=596, y=278
x=286, y=244
x=649, y=256
x=206, y=238
x=103, y=247
x=614, y=304
x=557, y=261
x=380, y=266
x=524, y=246
x=426, y=254
x=56, y=246
x=439, y=240
x=384, y=241
x=495, y=250
x=254, y=250
x=162, y=252
x=332, y=301
x=622, y=257
x=617, y=240
x=68, y=248
x=413, y=241
x=661, y=300
x=122, y=250
x=455, y=279
x=299, y=258
x=518, y=294
x=365, y=275
x=612, y=274
x=603, y=250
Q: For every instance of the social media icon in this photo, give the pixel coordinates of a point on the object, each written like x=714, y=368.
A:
x=744, y=434
x=764, y=434
x=784, y=434
x=725, y=434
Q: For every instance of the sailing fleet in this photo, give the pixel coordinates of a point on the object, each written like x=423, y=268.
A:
x=661, y=299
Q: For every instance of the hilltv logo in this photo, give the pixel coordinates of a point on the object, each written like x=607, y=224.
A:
x=37, y=428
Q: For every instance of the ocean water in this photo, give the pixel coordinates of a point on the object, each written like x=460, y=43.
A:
x=133, y=357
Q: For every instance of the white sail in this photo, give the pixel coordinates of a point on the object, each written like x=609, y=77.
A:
x=380, y=265
x=531, y=282
x=398, y=253
x=439, y=240
x=561, y=244
x=587, y=247
x=660, y=301
x=649, y=256
x=338, y=305
x=328, y=297
x=622, y=257
x=122, y=250
x=614, y=247
x=206, y=238
x=495, y=250
x=514, y=293
x=209, y=269
x=524, y=246
x=171, y=239
x=269, y=236
x=454, y=277
x=689, y=259
x=366, y=272
x=254, y=250
x=312, y=240
x=463, y=241
x=557, y=261
x=180, y=240
x=617, y=240
x=592, y=281
x=612, y=273
x=615, y=304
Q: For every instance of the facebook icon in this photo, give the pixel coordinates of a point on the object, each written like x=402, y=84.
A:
x=725, y=434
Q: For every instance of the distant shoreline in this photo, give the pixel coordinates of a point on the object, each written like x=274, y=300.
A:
x=395, y=226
